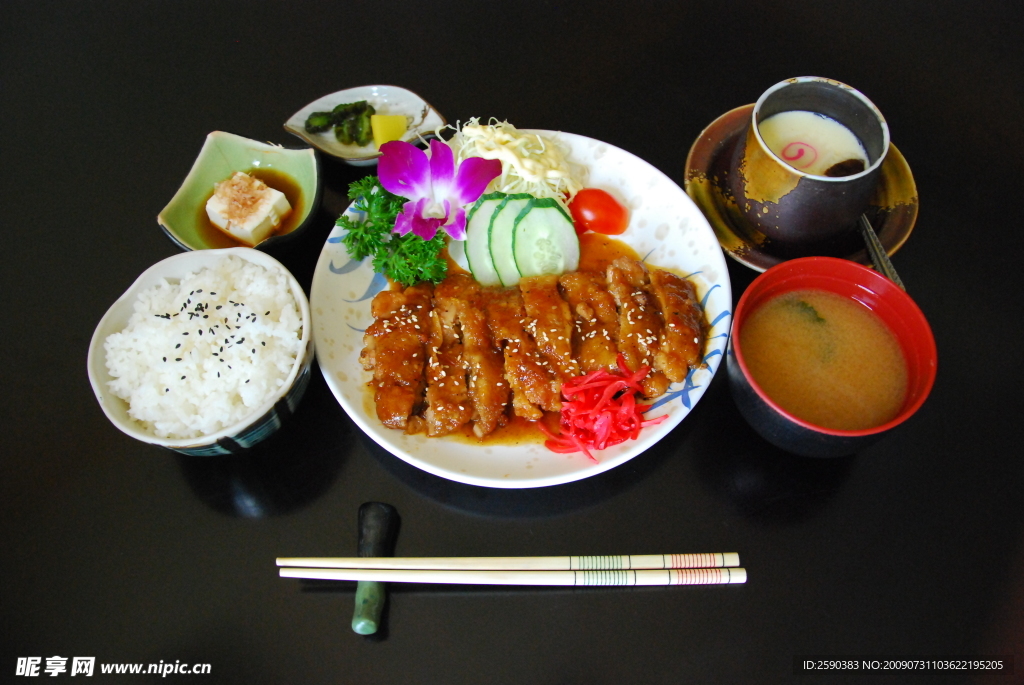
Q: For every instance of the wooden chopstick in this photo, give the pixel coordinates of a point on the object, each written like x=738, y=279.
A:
x=564, y=563
x=675, y=576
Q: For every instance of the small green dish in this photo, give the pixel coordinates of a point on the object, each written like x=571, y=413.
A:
x=295, y=172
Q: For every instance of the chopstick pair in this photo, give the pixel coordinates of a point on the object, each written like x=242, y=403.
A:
x=618, y=570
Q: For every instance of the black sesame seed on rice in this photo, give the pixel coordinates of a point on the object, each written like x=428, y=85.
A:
x=196, y=307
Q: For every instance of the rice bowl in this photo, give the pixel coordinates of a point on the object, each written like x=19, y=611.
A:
x=205, y=353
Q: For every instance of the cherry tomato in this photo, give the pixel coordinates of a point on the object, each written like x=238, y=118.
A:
x=595, y=210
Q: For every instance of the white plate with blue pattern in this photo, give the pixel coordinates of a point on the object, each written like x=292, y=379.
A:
x=666, y=228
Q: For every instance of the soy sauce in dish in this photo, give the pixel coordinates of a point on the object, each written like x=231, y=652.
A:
x=215, y=238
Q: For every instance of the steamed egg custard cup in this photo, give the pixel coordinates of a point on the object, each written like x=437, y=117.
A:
x=892, y=210
x=184, y=219
x=885, y=299
x=263, y=420
x=790, y=204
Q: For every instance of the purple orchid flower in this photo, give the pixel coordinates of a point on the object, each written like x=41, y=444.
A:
x=436, y=193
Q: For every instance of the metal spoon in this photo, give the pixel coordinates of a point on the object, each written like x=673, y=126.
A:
x=878, y=256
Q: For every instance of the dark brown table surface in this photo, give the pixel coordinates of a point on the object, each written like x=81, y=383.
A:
x=117, y=550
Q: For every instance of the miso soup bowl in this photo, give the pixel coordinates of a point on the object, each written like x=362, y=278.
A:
x=884, y=298
x=263, y=421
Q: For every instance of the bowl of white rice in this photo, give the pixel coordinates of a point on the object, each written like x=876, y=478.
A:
x=206, y=353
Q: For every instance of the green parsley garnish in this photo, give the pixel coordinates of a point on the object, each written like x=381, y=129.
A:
x=405, y=259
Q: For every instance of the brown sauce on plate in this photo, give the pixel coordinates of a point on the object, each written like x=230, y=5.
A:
x=279, y=181
x=597, y=251
x=518, y=431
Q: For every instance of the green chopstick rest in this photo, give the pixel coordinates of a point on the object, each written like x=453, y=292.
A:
x=378, y=529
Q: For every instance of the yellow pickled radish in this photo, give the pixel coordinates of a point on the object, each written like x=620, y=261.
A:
x=387, y=127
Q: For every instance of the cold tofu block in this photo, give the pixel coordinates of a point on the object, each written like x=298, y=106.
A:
x=388, y=127
x=247, y=208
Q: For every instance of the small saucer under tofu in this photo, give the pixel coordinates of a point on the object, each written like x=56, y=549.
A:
x=247, y=208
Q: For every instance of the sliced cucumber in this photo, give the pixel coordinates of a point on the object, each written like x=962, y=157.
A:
x=544, y=240
x=457, y=253
x=477, y=248
x=502, y=228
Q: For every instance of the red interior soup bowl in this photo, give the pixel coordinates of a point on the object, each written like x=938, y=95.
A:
x=826, y=356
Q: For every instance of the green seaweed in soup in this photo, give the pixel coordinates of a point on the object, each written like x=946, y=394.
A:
x=825, y=358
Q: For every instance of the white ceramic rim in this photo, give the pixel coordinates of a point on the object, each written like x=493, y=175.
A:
x=852, y=91
x=665, y=234
x=122, y=308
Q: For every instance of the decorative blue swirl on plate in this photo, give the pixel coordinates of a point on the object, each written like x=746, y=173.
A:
x=704, y=301
x=349, y=267
x=378, y=283
x=719, y=318
x=683, y=393
x=689, y=386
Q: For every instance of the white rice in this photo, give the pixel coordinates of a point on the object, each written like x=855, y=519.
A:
x=202, y=354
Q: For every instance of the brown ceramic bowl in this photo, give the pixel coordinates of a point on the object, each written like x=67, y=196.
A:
x=793, y=206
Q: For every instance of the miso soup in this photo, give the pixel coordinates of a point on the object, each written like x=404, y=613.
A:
x=826, y=359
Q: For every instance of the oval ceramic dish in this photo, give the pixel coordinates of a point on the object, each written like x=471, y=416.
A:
x=223, y=154
x=666, y=229
x=422, y=117
x=262, y=421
